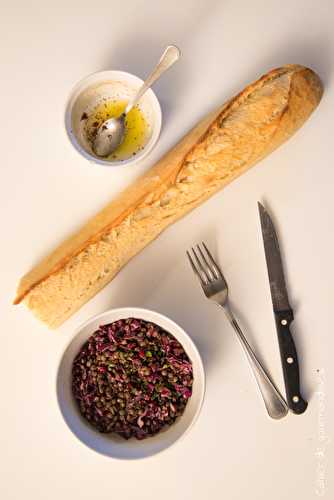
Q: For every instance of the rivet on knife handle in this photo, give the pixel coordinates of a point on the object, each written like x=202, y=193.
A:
x=289, y=361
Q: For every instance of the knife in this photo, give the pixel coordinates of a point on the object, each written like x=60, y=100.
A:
x=283, y=313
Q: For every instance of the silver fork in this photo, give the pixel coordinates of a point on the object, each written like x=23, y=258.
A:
x=215, y=288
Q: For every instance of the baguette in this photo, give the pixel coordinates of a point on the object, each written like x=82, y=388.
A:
x=220, y=148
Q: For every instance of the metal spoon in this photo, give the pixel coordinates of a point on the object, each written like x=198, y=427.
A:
x=111, y=133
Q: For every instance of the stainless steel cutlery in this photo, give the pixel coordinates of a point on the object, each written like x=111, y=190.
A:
x=215, y=288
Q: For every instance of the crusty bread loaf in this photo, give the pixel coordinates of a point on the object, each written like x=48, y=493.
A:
x=220, y=148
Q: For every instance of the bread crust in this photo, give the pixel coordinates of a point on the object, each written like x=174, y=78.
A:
x=220, y=148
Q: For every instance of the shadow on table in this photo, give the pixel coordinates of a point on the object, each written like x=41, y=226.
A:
x=316, y=54
x=139, y=54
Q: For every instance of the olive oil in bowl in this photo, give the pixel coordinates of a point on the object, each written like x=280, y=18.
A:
x=104, y=95
x=136, y=133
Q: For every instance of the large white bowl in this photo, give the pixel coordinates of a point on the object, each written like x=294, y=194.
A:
x=111, y=85
x=111, y=444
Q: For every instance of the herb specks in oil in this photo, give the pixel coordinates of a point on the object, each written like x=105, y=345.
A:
x=136, y=127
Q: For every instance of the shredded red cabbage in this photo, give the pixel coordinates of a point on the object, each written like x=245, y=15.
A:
x=132, y=377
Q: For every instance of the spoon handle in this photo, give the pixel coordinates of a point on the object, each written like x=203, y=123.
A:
x=168, y=58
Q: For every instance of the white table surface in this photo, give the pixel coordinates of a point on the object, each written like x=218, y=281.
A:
x=47, y=191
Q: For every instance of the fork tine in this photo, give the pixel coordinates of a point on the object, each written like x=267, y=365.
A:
x=208, y=268
x=200, y=265
x=214, y=266
x=194, y=268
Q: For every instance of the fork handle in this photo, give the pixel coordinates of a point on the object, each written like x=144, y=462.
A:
x=274, y=402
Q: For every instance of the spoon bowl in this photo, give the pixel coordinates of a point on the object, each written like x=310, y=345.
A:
x=109, y=136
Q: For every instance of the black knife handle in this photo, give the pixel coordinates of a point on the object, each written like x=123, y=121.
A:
x=289, y=361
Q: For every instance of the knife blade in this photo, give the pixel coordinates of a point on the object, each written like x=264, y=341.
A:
x=283, y=313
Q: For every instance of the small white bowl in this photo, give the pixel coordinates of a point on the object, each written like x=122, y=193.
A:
x=112, y=85
x=112, y=445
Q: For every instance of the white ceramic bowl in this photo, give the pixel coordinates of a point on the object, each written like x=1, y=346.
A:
x=112, y=85
x=112, y=445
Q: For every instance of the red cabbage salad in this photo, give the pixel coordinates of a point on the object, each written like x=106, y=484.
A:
x=131, y=377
